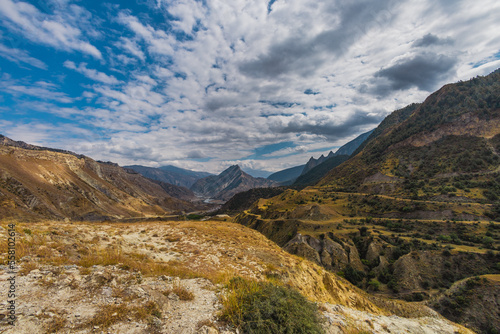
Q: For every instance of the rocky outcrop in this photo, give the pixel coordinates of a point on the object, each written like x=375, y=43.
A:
x=333, y=255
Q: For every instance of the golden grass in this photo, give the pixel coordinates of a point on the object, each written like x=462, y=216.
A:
x=495, y=278
x=28, y=267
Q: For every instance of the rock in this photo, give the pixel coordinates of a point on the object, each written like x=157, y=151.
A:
x=107, y=291
x=173, y=296
x=374, y=250
x=207, y=330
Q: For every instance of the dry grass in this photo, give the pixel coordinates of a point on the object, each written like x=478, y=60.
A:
x=27, y=267
x=56, y=324
x=110, y=314
x=182, y=292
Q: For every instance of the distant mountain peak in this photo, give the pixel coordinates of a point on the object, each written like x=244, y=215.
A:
x=229, y=182
x=233, y=167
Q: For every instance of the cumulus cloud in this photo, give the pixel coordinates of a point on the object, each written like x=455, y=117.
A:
x=203, y=84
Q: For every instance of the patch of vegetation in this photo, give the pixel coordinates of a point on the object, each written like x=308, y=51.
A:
x=262, y=307
x=194, y=216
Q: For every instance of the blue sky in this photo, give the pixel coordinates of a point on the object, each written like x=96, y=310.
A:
x=208, y=84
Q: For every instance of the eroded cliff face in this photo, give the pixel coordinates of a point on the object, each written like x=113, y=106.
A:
x=333, y=255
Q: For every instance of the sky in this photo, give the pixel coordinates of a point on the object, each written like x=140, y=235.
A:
x=212, y=83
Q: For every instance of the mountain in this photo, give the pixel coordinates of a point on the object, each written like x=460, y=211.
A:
x=245, y=199
x=257, y=172
x=315, y=162
x=170, y=174
x=37, y=182
x=447, y=147
x=413, y=210
x=177, y=191
x=346, y=149
x=231, y=181
x=288, y=174
x=352, y=146
x=319, y=171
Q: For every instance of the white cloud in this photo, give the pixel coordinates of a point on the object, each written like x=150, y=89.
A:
x=91, y=73
x=56, y=30
x=21, y=56
x=38, y=90
x=131, y=47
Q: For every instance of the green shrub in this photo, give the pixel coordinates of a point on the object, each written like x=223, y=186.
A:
x=261, y=307
x=375, y=284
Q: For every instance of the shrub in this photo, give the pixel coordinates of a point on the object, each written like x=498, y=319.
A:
x=375, y=284
x=262, y=307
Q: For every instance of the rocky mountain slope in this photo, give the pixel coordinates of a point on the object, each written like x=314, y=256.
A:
x=171, y=277
x=170, y=174
x=39, y=183
x=228, y=183
x=449, y=140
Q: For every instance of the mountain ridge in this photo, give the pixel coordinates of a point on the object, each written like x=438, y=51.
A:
x=170, y=174
x=40, y=183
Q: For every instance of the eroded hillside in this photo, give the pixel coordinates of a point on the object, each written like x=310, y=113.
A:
x=41, y=183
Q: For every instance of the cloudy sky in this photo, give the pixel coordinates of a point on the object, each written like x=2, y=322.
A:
x=211, y=83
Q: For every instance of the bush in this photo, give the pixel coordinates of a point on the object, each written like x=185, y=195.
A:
x=259, y=307
x=374, y=284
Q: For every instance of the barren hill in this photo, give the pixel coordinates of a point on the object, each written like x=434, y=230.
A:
x=43, y=183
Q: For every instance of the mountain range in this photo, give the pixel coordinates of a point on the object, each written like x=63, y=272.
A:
x=170, y=174
x=412, y=211
x=291, y=175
